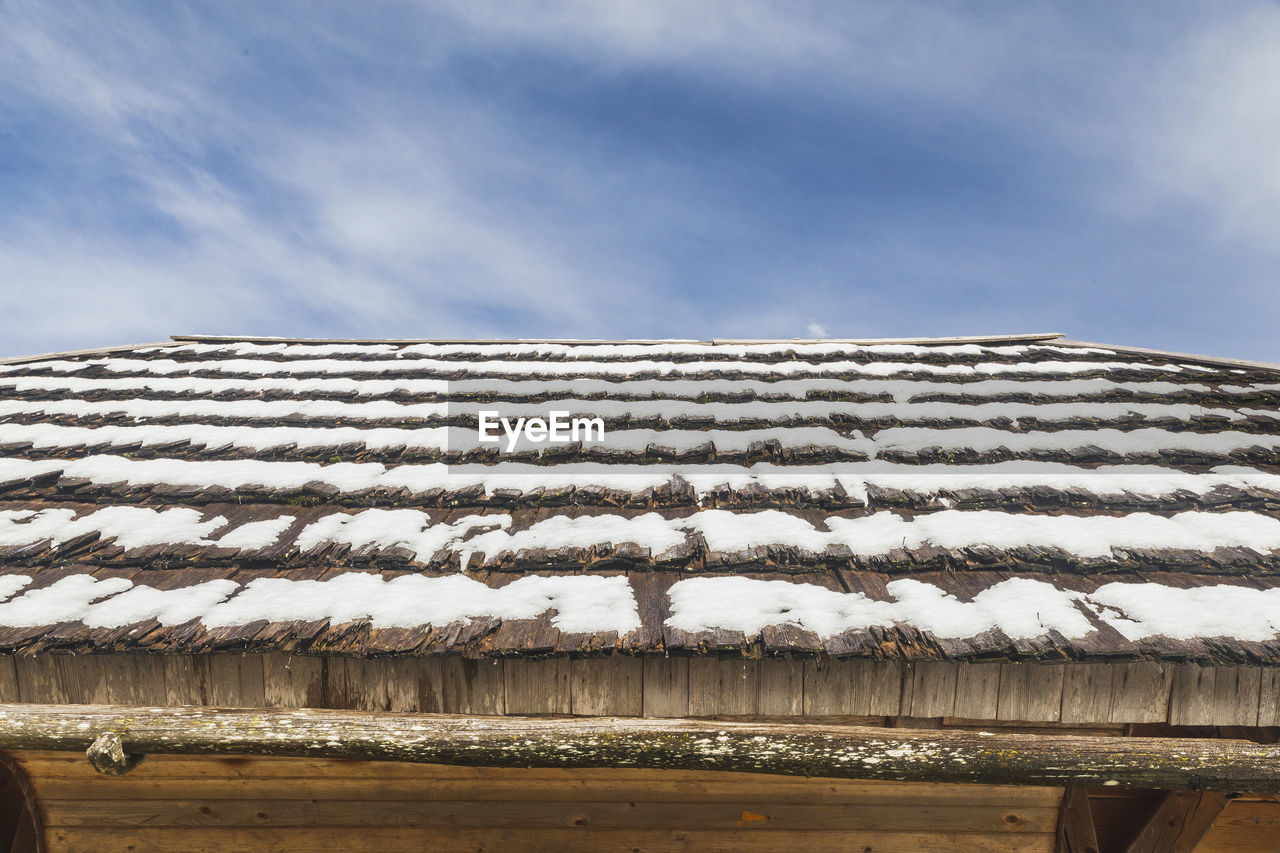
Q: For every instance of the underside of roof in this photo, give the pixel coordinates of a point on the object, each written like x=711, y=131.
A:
x=1021, y=497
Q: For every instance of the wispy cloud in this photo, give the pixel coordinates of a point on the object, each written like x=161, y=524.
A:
x=636, y=169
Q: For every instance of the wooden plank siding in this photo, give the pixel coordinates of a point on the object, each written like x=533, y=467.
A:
x=1094, y=694
x=221, y=804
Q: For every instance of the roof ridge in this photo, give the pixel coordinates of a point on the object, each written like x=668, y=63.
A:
x=970, y=339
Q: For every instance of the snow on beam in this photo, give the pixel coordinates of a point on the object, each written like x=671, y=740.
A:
x=823, y=751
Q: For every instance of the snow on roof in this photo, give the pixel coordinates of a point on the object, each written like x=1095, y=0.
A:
x=1013, y=497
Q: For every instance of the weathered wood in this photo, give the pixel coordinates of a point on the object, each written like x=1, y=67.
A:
x=1086, y=693
x=1191, y=694
x=852, y=687
x=612, y=686
x=106, y=755
x=236, y=679
x=978, y=691
x=1140, y=692
x=371, y=680
x=38, y=679
x=568, y=840
x=9, y=691
x=293, y=681
x=828, y=687
x=1269, y=697
x=722, y=686
x=428, y=674
x=537, y=686
x=933, y=691
x=1030, y=691
x=1243, y=825
x=1179, y=823
x=1076, y=833
x=1129, y=692
x=884, y=686
x=67, y=776
x=666, y=687
x=1236, y=699
x=784, y=748
x=472, y=686
x=534, y=814
x=186, y=679
x=781, y=688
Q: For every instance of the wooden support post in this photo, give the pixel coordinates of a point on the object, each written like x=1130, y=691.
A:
x=1076, y=832
x=1178, y=823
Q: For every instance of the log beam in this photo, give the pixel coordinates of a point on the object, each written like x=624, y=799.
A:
x=795, y=749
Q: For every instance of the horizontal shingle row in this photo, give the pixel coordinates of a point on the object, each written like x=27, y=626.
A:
x=1020, y=500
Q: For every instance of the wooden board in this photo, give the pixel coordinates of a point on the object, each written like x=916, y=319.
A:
x=535, y=814
x=612, y=686
x=978, y=691
x=1086, y=692
x=221, y=804
x=417, y=839
x=1140, y=692
x=933, y=690
x=536, y=686
x=781, y=688
x=1030, y=691
x=725, y=686
x=63, y=775
x=666, y=687
x=1243, y=825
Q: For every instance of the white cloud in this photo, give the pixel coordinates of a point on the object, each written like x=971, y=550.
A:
x=896, y=47
x=817, y=330
x=1209, y=134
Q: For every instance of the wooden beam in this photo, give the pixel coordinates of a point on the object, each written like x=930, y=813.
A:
x=1179, y=822
x=831, y=751
x=1076, y=833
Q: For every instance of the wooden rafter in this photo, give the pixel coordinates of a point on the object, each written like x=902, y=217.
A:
x=1180, y=821
x=1076, y=832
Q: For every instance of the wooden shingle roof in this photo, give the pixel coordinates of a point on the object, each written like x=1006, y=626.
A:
x=1021, y=498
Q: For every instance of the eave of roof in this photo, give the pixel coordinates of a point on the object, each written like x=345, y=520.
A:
x=24, y=359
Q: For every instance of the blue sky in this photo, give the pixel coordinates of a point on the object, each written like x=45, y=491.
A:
x=640, y=169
